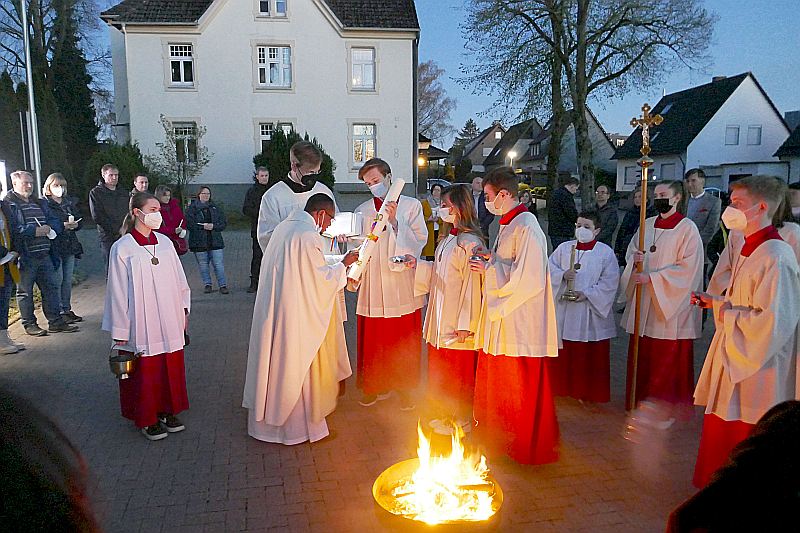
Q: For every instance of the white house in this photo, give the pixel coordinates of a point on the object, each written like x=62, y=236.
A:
x=479, y=148
x=342, y=70
x=730, y=128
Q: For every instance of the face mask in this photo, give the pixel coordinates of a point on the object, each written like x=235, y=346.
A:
x=446, y=215
x=735, y=219
x=309, y=180
x=57, y=192
x=493, y=209
x=662, y=205
x=318, y=224
x=153, y=220
x=796, y=211
x=584, y=235
x=380, y=189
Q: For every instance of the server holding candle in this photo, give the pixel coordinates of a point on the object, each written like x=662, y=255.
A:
x=673, y=268
x=586, y=323
x=388, y=313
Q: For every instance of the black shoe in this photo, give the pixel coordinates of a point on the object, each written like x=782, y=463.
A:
x=68, y=319
x=208, y=290
x=62, y=327
x=224, y=290
x=253, y=287
x=34, y=330
x=171, y=423
x=72, y=316
x=154, y=432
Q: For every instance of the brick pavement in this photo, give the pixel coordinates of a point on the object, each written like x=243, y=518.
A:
x=213, y=477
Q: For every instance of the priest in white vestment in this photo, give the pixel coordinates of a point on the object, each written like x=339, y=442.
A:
x=582, y=369
x=514, y=407
x=752, y=362
x=297, y=354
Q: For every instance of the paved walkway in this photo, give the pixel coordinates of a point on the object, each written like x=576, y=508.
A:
x=213, y=477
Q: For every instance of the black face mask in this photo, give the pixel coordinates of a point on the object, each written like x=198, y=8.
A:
x=662, y=205
x=309, y=180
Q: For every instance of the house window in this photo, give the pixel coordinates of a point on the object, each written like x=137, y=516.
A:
x=667, y=171
x=666, y=109
x=363, y=143
x=498, y=135
x=285, y=127
x=487, y=151
x=265, y=132
x=363, y=68
x=185, y=142
x=272, y=8
x=181, y=65
x=632, y=175
x=536, y=149
x=754, y=135
x=732, y=135
x=274, y=66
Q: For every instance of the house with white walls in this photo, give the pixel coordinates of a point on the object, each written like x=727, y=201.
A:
x=729, y=127
x=342, y=70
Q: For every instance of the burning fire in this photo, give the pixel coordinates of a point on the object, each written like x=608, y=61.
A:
x=449, y=488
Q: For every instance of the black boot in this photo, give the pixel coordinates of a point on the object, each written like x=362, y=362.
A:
x=253, y=285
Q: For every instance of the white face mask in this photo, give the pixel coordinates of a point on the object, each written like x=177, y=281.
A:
x=446, y=215
x=318, y=224
x=57, y=191
x=493, y=209
x=584, y=235
x=380, y=189
x=153, y=220
x=734, y=218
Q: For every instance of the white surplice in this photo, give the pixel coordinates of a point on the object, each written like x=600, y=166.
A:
x=145, y=303
x=598, y=279
x=518, y=317
x=297, y=355
x=278, y=203
x=676, y=269
x=790, y=233
x=454, y=301
x=387, y=290
x=752, y=363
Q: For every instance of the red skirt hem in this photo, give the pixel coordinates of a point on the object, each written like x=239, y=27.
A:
x=582, y=371
x=718, y=439
x=389, y=353
x=514, y=408
x=665, y=370
x=158, y=385
x=451, y=378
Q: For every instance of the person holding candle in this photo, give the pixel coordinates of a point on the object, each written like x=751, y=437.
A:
x=174, y=225
x=146, y=310
x=513, y=405
x=585, y=319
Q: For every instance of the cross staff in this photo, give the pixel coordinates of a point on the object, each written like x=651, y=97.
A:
x=646, y=121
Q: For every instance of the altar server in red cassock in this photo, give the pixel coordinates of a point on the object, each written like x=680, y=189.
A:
x=513, y=406
x=673, y=268
x=586, y=325
x=388, y=313
x=147, y=302
x=752, y=362
x=454, y=306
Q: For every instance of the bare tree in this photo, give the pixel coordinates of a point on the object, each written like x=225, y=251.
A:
x=606, y=47
x=433, y=104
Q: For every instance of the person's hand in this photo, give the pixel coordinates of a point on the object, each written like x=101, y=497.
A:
x=638, y=256
x=570, y=274
x=580, y=296
x=410, y=261
x=341, y=239
x=391, y=213
x=42, y=231
x=208, y=226
x=703, y=300
x=70, y=225
x=641, y=278
x=478, y=265
x=350, y=258
x=119, y=342
x=178, y=230
x=462, y=335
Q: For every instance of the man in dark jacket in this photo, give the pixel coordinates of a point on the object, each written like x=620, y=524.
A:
x=485, y=218
x=108, y=205
x=33, y=226
x=250, y=208
x=608, y=214
x=562, y=213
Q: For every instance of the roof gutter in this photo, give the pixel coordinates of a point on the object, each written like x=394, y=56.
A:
x=415, y=115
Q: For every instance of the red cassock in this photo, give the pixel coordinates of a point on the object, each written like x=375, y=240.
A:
x=158, y=385
x=719, y=438
x=582, y=370
x=665, y=370
x=521, y=420
x=451, y=375
x=389, y=352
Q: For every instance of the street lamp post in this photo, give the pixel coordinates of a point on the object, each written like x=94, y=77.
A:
x=31, y=101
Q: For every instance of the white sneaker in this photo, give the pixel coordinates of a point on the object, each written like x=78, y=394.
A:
x=6, y=346
x=19, y=345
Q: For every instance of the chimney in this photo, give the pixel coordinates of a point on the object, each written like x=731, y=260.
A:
x=718, y=78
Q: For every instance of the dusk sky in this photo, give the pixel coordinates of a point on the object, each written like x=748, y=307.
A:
x=758, y=36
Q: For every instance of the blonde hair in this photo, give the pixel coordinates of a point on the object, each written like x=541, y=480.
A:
x=137, y=201
x=56, y=178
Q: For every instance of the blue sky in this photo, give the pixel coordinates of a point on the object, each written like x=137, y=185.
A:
x=759, y=36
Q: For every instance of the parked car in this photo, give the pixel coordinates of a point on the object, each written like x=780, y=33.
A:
x=438, y=181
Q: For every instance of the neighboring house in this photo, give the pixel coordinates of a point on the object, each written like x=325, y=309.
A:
x=342, y=70
x=534, y=161
x=430, y=160
x=730, y=128
x=479, y=148
x=789, y=152
x=513, y=145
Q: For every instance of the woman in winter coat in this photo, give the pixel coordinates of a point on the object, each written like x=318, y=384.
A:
x=66, y=245
x=205, y=222
x=174, y=223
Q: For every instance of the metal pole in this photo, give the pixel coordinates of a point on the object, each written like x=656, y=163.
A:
x=23, y=123
x=31, y=100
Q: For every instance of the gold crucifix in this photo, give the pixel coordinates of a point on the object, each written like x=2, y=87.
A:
x=646, y=121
